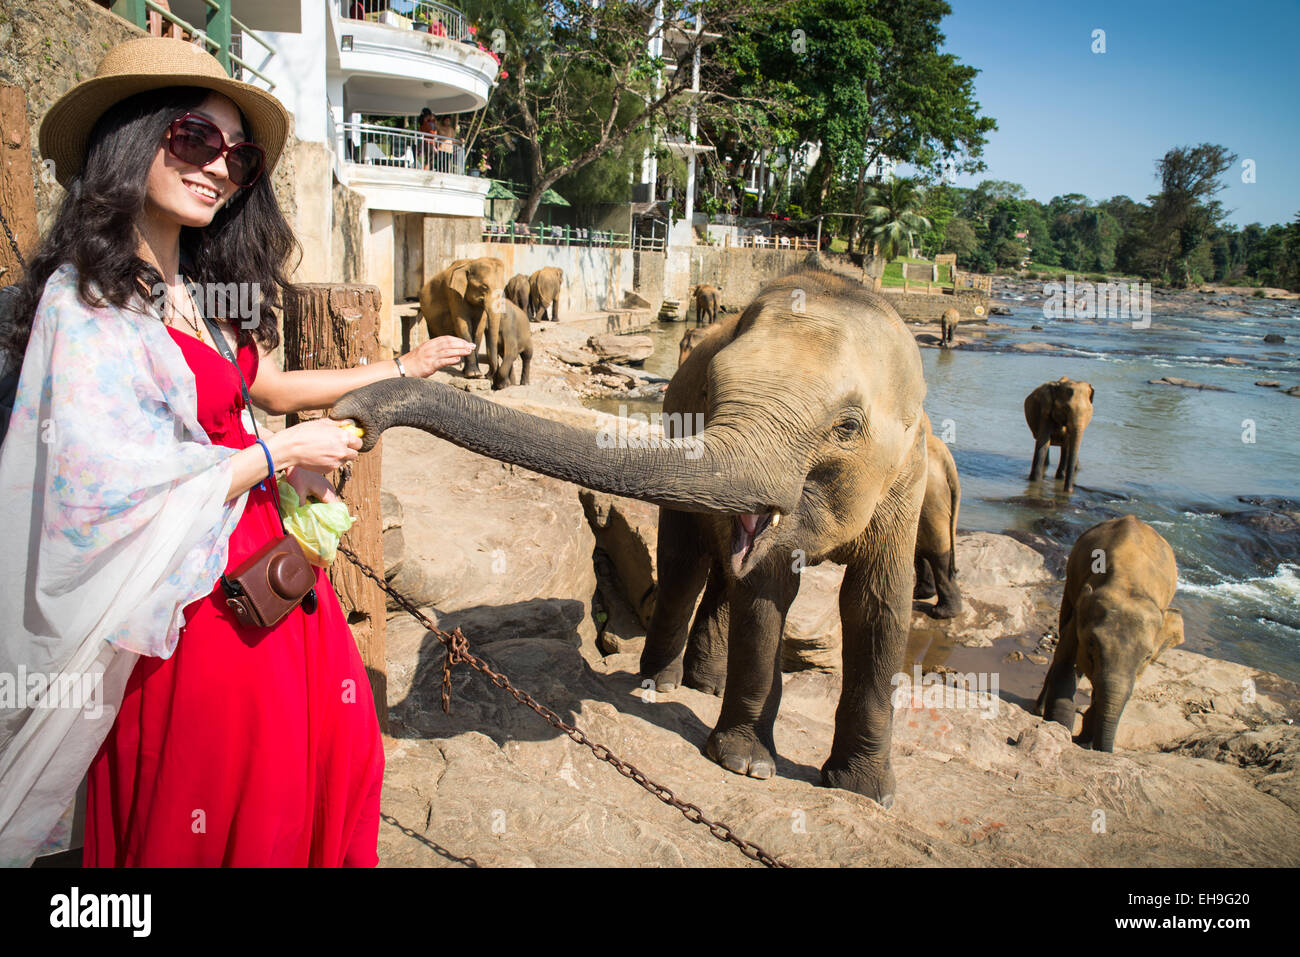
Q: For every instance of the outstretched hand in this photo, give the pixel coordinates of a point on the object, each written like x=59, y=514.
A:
x=428, y=357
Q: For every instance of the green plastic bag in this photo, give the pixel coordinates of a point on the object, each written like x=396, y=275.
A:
x=317, y=526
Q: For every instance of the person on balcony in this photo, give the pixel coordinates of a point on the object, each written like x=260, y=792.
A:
x=448, y=145
x=429, y=129
x=132, y=479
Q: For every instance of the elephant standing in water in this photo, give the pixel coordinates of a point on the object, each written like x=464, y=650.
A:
x=465, y=300
x=813, y=449
x=517, y=291
x=706, y=304
x=948, y=327
x=1115, y=620
x=936, y=535
x=1057, y=413
x=544, y=294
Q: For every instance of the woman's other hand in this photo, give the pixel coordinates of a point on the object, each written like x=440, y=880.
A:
x=310, y=485
x=319, y=445
x=427, y=358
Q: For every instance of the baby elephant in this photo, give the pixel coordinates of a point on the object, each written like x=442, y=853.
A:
x=949, y=322
x=1115, y=620
x=517, y=291
x=690, y=339
x=936, y=534
x=515, y=342
x=706, y=304
x=1057, y=413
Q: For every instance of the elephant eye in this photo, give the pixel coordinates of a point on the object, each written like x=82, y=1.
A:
x=848, y=426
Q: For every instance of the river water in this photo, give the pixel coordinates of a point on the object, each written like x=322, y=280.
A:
x=1179, y=459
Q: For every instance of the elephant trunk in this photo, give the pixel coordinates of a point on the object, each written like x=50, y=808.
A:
x=707, y=473
x=1110, y=695
x=1070, y=455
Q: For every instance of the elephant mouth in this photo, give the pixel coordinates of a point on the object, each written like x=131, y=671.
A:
x=750, y=538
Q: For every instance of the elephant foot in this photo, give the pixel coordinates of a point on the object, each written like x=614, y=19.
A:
x=707, y=678
x=946, y=610
x=667, y=678
x=739, y=750
x=879, y=785
x=923, y=590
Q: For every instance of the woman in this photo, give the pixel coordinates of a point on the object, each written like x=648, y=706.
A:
x=132, y=472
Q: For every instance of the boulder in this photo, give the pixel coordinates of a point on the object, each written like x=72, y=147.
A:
x=1294, y=390
x=812, y=626
x=1186, y=384
x=622, y=349
x=1274, y=339
x=628, y=532
x=1269, y=383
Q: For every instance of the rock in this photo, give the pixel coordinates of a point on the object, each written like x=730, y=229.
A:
x=1273, y=339
x=628, y=532
x=1271, y=754
x=1268, y=383
x=812, y=626
x=985, y=558
x=1234, y=361
x=1034, y=347
x=1294, y=390
x=573, y=357
x=1036, y=328
x=622, y=349
x=1186, y=384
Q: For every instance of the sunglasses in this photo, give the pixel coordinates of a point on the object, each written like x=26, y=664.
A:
x=197, y=141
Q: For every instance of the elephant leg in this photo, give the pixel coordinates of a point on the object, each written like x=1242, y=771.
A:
x=742, y=741
x=1042, y=447
x=949, y=604
x=462, y=329
x=1056, y=700
x=491, y=323
x=706, y=649
x=683, y=564
x=527, y=356
x=924, y=579
x=1070, y=464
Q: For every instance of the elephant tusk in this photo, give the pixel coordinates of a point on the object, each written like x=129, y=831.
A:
x=776, y=519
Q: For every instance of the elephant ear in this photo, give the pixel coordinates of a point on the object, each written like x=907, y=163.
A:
x=1091, y=394
x=1171, y=630
x=458, y=280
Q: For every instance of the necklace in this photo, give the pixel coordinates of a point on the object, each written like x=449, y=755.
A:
x=175, y=314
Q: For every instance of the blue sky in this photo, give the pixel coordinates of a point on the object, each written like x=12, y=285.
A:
x=1175, y=73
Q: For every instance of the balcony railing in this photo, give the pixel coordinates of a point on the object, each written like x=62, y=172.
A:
x=552, y=235
x=435, y=18
x=222, y=34
x=368, y=144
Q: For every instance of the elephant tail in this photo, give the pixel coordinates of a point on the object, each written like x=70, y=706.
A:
x=555, y=309
x=954, y=491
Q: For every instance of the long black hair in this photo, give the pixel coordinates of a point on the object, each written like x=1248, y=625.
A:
x=248, y=240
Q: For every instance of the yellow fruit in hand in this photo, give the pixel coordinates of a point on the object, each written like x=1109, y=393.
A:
x=356, y=430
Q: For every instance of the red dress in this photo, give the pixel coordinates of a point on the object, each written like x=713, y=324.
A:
x=247, y=747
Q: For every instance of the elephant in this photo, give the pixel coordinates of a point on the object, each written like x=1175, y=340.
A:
x=516, y=342
x=517, y=291
x=936, y=535
x=949, y=327
x=690, y=339
x=1115, y=620
x=1057, y=413
x=544, y=293
x=706, y=304
x=813, y=449
x=465, y=300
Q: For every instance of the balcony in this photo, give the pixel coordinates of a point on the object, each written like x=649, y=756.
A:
x=406, y=171
x=398, y=56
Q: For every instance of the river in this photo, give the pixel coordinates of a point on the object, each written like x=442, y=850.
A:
x=1180, y=459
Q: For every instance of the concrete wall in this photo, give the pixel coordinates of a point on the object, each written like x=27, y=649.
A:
x=920, y=307
x=740, y=273
x=594, y=277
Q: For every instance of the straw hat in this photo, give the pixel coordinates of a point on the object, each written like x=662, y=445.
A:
x=152, y=63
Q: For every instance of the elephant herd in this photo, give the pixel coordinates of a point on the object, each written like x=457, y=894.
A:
x=472, y=300
x=815, y=447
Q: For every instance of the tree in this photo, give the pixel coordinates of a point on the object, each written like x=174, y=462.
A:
x=960, y=238
x=1185, y=208
x=892, y=213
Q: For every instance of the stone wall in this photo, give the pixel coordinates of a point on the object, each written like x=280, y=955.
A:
x=921, y=307
x=347, y=237
x=740, y=273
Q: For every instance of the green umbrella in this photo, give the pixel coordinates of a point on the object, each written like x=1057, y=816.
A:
x=498, y=190
x=552, y=198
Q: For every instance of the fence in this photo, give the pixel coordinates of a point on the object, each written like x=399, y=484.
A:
x=435, y=18
x=217, y=34
x=552, y=235
x=371, y=145
x=769, y=242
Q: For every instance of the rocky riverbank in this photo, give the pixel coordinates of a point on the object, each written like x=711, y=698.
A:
x=1219, y=302
x=554, y=585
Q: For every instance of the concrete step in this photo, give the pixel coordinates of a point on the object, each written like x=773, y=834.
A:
x=617, y=321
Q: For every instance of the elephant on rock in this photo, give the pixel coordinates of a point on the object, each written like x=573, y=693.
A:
x=544, y=294
x=813, y=449
x=517, y=291
x=1115, y=620
x=1057, y=413
x=516, y=342
x=936, y=535
x=465, y=300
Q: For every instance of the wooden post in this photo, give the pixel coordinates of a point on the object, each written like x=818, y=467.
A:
x=337, y=327
x=17, y=185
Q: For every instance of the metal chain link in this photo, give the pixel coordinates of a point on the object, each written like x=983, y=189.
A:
x=458, y=651
x=12, y=242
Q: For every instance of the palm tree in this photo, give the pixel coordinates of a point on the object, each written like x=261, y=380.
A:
x=892, y=216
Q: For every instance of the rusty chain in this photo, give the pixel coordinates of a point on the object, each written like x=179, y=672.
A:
x=12, y=242
x=458, y=651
